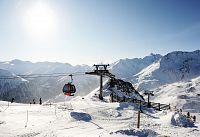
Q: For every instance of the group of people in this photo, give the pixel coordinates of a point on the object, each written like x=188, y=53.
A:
x=189, y=116
x=193, y=117
x=40, y=101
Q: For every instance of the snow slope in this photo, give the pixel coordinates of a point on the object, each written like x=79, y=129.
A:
x=184, y=95
x=126, y=68
x=173, y=67
x=12, y=83
x=89, y=117
x=17, y=88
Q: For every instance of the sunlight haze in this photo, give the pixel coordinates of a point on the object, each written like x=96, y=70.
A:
x=91, y=31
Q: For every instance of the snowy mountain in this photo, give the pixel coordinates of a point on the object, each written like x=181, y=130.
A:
x=173, y=67
x=149, y=72
x=126, y=68
x=174, y=78
x=17, y=88
x=26, y=67
x=48, y=87
x=8, y=83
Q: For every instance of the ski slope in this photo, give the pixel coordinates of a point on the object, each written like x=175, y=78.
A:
x=88, y=117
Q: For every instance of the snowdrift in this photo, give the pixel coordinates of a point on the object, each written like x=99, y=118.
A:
x=181, y=120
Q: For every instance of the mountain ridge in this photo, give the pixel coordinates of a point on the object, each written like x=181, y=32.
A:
x=149, y=72
x=173, y=67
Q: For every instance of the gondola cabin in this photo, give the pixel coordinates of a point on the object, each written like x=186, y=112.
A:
x=69, y=89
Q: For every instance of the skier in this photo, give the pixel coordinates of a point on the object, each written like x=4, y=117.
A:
x=188, y=115
x=12, y=100
x=33, y=101
x=40, y=101
x=194, y=118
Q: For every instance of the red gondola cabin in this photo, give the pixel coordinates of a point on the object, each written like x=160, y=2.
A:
x=69, y=89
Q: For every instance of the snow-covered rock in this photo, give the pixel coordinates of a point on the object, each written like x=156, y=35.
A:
x=178, y=119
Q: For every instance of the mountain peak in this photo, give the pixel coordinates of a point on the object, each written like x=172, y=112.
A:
x=152, y=57
x=129, y=67
x=173, y=67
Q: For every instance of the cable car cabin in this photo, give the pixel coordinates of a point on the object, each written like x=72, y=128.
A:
x=69, y=89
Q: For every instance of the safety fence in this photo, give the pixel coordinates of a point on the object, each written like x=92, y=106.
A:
x=141, y=103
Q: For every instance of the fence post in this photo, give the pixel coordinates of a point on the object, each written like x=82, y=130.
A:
x=26, y=119
x=159, y=106
x=169, y=106
x=112, y=96
x=140, y=105
x=138, y=123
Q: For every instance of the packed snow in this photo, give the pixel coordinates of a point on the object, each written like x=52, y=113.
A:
x=89, y=117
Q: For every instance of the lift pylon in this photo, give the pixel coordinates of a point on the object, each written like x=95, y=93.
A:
x=101, y=70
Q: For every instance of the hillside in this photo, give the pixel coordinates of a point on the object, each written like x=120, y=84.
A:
x=92, y=118
x=45, y=87
x=173, y=67
x=17, y=88
x=174, y=78
x=184, y=95
x=149, y=72
x=126, y=68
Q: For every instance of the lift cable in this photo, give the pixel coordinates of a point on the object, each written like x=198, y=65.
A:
x=75, y=73
x=42, y=75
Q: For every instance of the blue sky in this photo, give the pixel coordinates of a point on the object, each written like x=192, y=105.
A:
x=93, y=31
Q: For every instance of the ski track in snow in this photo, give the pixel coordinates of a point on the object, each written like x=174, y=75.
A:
x=89, y=119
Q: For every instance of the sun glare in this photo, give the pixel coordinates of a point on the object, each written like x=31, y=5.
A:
x=40, y=20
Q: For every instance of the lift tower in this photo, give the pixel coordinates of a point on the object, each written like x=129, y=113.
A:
x=101, y=70
x=149, y=93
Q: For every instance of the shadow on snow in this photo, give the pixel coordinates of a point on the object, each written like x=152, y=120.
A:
x=81, y=116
